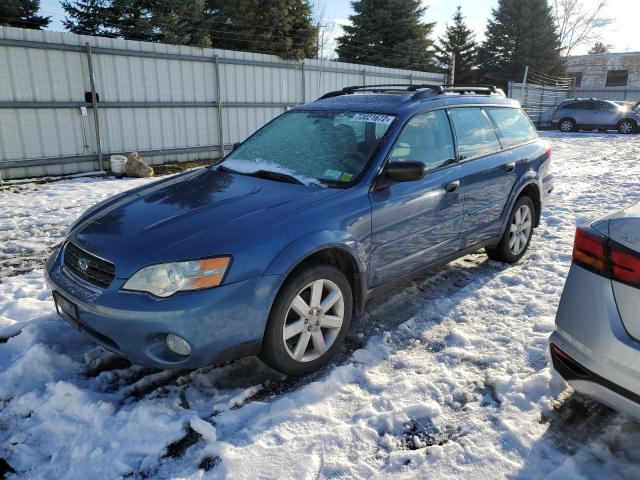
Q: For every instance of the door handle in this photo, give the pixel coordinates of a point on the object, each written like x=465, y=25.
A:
x=510, y=166
x=453, y=186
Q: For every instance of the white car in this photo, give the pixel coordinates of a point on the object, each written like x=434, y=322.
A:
x=596, y=344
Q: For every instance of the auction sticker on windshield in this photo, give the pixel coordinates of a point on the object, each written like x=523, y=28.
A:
x=373, y=118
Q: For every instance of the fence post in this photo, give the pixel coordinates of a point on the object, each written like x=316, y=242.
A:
x=219, y=106
x=525, y=90
x=452, y=80
x=364, y=76
x=94, y=104
x=304, y=89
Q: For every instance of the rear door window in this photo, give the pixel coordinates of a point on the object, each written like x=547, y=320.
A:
x=513, y=126
x=426, y=138
x=574, y=106
x=474, y=132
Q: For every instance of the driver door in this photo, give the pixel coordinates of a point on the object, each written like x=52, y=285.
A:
x=418, y=222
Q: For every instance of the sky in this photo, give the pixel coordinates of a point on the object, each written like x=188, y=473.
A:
x=621, y=34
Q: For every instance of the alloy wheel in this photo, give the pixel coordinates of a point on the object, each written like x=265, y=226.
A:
x=626, y=127
x=520, y=230
x=313, y=321
x=566, y=126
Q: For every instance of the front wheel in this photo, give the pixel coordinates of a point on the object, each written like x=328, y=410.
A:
x=626, y=127
x=517, y=237
x=308, y=321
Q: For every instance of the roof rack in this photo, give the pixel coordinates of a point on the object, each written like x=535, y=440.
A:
x=464, y=90
x=422, y=90
x=385, y=87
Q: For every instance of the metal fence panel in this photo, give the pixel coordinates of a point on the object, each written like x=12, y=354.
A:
x=161, y=100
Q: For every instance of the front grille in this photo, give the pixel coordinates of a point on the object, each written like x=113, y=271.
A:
x=97, y=272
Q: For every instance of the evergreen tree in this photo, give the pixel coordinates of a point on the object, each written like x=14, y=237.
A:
x=281, y=27
x=521, y=33
x=598, y=47
x=181, y=22
x=132, y=19
x=88, y=17
x=22, y=14
x=388, y=33
x=459, y=40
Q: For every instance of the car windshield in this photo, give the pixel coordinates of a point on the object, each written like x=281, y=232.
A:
x=313, y=147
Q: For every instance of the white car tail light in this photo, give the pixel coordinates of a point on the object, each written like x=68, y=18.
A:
x=605, y=257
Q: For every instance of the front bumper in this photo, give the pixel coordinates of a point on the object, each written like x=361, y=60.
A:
x=604, y=360
x=220, y=324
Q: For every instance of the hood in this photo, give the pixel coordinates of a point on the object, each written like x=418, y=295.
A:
x=624, y=227
x=186, y=217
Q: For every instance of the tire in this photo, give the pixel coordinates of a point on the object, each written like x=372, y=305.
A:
x=291, y=355
x=626, y=127
x=509, y=252
x=567, y=125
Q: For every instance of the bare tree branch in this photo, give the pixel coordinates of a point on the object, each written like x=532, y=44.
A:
x=578, y=24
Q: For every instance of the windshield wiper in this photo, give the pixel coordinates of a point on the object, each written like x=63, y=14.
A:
x=279, y=176
x=268, y=174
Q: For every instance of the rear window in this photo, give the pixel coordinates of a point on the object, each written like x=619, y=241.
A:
x=513, y=126
x=474, y=132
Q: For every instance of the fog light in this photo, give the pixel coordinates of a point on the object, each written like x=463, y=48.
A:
x=178, y=345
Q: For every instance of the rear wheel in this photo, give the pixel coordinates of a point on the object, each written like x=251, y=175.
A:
x=626, y=127
x=567, y=125
x=517, y=237
x=308, y=321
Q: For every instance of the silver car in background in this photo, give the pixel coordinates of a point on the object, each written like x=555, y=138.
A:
x=596, y=344
x=591, y=114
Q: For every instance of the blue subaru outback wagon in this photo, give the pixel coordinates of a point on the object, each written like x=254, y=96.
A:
x=275, y=250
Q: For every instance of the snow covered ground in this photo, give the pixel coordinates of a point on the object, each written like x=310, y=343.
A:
x=445, y=377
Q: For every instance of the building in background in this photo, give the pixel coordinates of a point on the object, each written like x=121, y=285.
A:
x=605, y=70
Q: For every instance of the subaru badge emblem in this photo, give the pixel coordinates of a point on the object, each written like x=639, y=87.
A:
x=83, y=264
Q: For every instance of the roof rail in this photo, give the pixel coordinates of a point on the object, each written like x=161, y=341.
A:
x=422, y=90
x=462, y=90
x=385, y=87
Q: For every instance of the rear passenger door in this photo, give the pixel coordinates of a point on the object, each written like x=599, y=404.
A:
x=584, y=114
x=489, y=173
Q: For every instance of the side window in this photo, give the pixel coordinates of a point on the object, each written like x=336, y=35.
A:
x=606, y=107
x=514, y=127
x=571, y=106
x=474, y=132
x=588, y=105
x=426, y=138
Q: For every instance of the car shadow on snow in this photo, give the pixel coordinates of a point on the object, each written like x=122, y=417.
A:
x=575, y=422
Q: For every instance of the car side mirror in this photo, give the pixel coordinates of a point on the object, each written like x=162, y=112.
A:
x=408, y=171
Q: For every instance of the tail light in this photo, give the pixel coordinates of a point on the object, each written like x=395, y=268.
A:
x=589, y=251
x=605, y=257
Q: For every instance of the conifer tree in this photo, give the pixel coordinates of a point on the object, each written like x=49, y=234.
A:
x=280, y=27
x=181, y=22
x=458, y=40
x=521, y=33
x=22, y=14
x=88, y=17
x=388, y=33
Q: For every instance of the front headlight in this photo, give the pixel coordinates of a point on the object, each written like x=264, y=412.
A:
x=165, y=279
